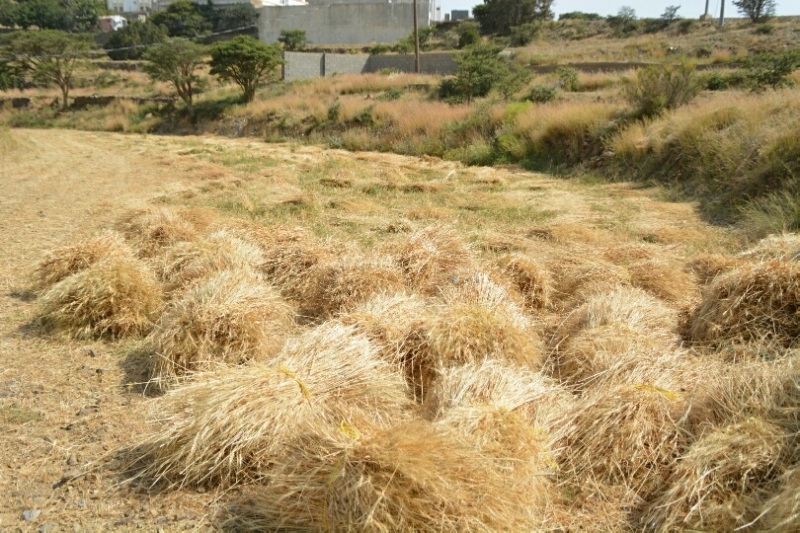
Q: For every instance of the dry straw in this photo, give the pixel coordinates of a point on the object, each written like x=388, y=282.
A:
x=414, y=477
x=751, y=302
x=433, y=257
x=63, y=262
x=115, y=297
x=231, y=426
x=353, y=279
x=784, y=247
x=228, y=318
x=577, y=280
x=781, y=512
x=624, y=434
x=478, y=321
x=665, y=280
x=714, y=484
x=152, y=230
x=186, y=262
x=706, y=267
x=529, y=277
x=396, y=324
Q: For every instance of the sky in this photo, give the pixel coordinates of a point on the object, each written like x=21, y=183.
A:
x=644, y=8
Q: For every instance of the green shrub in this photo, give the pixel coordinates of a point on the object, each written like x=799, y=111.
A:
x=392, y=94
x=293, y=40
x=772, y=70
x=579, y=15
x=389, y=71
x=715, y=81
x=658, y=88
x=468, y=34
x=567, y=78
x=764, y=29
x=522, y=35
x=379, y=49
x=541, y=94
x=775, y=213
x=131, y=41
x=686, y=26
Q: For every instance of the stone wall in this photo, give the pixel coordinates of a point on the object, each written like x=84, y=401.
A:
x=301, y=65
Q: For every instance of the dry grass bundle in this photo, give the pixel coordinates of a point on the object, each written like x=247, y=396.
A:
x=598, y=507
x=479, y=322
x=353, y=279
x=290, y=257
x=782, y=511
x=624, y=308
x=713, y=483
x=579, y=280
x=536, y=397
x=432, y=257
x=706, y=267
x=152, y=230
x=751, y=302
x=114, y=297
x=187, y=262
x=396, y=324
x=232, y=425
x=415, y=477
x=230, y=318
x=664, y=280
x=784, y=247
x=530, y=278
x=63, y=262
x=593, y=352
x=624, y=434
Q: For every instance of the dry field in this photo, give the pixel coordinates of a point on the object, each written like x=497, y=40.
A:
x=205, y=333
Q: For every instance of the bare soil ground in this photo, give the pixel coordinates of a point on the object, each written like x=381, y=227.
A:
x=67, y=406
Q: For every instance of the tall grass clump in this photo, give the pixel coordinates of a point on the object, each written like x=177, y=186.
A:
x=659, y=88
x=432, y=257
x=232, y=426
x=231, y=317
x=152, y=230
x=115, y=297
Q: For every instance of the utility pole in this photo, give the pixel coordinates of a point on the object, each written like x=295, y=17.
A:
x=721, y=13
x=705, y=16
x=416, y=40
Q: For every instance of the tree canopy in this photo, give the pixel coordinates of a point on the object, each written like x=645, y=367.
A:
x=65, y=15
x=175, y=62
x=756, y=10
x=246, y=61
x=497, y=17
x=182, y=19
x=133, y=39
x=49, y=55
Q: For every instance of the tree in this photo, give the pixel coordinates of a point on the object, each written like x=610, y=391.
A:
x=497, y=17
x=134, y=39
x=50, y=56
x=241, y=15
x=182, y=19
x=8, y=13
x=43, y=14
x=468, y=33
x=175, y=62
x=293, y=40
x=479, y=69
x=245, y=61
x=84, y=14
x=756, y=10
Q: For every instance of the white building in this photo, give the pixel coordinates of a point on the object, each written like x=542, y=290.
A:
x=130, y=6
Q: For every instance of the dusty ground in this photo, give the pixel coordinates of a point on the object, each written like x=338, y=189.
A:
x=67, y=406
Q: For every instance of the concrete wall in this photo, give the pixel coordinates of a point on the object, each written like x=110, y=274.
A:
x=353, y=22
x=300, y=65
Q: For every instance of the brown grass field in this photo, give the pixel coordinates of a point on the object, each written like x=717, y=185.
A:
x=202, y=333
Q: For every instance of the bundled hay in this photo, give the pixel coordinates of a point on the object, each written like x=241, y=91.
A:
x=624, y=434
x=230, y=317
x=396, y=324
x=530, y=278
x=592, y=352
x=782, y=511
x=665, y=280
x=415, y=477
x=578, y=280
x=187, y=262
x=232, y=425
x=706, y=267
x=493, y=383
x=291, y=255
x=151, y=230
x=479, y=322
x=751, y=302
x=353, y=280
x=115, y=297
x=63, y=262
x=713, y=483
x=784, y=247
x=624, y=308
x=595, y=506
x=432, y=257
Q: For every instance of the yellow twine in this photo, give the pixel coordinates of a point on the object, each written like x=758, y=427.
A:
x=300, y=384
x=669, y=395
